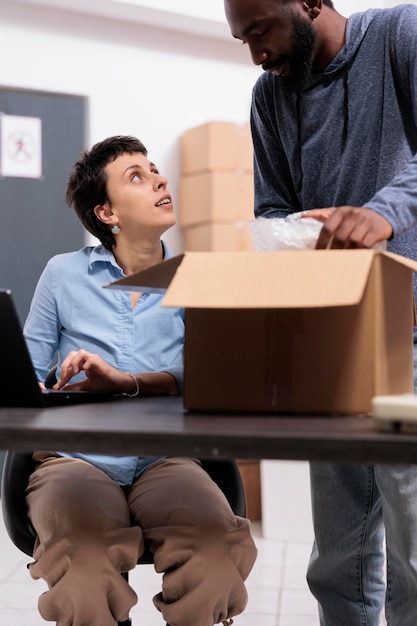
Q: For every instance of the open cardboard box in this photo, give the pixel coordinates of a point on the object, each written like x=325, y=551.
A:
x=317, y=331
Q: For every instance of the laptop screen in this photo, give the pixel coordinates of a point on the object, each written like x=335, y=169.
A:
x=18, y=382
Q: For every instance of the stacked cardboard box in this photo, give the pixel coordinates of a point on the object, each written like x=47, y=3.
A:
x=216, y=204
x=251, y=478
x=216, y=187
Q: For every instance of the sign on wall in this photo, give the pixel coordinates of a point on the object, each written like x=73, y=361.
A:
x=20, y=146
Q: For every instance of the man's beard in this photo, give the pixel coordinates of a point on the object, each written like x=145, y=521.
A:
x=304, y=41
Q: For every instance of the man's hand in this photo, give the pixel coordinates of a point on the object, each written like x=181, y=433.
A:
x=350, y=227
x=321, y=215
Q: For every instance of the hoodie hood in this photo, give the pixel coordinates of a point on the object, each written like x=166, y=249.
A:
x=356, y=28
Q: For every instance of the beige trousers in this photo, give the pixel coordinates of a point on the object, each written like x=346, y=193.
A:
x=90, y=529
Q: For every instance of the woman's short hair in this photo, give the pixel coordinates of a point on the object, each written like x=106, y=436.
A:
x=87, y=183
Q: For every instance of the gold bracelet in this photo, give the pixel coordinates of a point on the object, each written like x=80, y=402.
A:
x=136, y=392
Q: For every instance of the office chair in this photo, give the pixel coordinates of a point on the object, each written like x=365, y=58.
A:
x=19, y=465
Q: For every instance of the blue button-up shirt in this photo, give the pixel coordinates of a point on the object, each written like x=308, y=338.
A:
x=71, y=310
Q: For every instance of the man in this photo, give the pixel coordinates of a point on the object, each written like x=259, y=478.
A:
x=334, y=125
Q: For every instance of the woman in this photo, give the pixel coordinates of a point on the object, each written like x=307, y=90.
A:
x=92, y=513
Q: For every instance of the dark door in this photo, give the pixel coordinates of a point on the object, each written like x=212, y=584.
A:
x=35, y=224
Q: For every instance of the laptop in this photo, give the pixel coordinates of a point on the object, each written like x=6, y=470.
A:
x=18, y=381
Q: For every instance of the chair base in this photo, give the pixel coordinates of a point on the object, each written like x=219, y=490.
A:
x=128, y=621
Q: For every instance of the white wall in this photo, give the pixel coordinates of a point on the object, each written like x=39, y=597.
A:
x=139, y=80
x=152, y=82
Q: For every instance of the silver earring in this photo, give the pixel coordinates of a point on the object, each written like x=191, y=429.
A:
x=115, y=229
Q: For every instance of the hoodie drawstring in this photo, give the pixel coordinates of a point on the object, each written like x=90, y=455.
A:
x=344, y=130
x=299, y=148
x=345, y=107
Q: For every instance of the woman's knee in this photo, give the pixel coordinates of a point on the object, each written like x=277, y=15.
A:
x=71, y=494
x=179, y=492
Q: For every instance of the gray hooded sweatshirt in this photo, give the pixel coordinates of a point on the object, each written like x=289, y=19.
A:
x=350, y=138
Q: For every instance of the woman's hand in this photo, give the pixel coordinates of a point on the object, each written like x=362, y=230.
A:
x=100, y=376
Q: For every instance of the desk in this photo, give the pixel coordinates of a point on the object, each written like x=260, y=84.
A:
x=153, y=426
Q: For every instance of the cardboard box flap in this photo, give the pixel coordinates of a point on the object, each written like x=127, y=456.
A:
x=289, y=279
x=153, y=280
x=412, y=265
